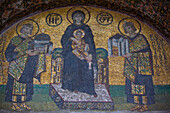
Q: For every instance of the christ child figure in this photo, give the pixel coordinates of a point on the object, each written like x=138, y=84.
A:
x=80, y=48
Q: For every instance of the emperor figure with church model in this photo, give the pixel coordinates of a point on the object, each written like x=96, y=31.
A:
x=24, y=65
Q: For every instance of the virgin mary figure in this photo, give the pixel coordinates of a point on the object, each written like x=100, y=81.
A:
x=77, y=76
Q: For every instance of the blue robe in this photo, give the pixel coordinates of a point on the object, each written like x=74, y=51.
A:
x=139, y=71
x=21, y=89
x=76, y=75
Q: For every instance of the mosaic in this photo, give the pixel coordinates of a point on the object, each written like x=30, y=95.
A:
x=154, y=12
x=83, y=58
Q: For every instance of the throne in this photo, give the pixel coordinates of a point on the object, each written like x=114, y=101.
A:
x=65, y=99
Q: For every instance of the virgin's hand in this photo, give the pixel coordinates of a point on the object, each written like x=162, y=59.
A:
x=89, y=59
x=31, y=52
x=75, y=40
x=72, y=38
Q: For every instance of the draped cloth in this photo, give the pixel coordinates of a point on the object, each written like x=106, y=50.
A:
x=22, y=69
x=138, y=70
x=76, y=73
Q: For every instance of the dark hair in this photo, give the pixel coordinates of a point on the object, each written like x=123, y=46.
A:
x=78, y=12
x=26, y=25
x=79, y=32
x=129, y=24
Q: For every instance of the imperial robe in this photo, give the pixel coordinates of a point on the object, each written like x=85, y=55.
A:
x=22, y=69
x=138, y=70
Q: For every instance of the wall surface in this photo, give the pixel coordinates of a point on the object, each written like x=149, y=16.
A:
x=42, y=66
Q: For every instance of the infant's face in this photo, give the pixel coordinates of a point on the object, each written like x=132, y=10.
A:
x=79, y=35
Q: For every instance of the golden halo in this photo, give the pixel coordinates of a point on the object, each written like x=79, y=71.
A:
x=28, y=21
x=73, y=9
x=135, y=22
x=83, y=33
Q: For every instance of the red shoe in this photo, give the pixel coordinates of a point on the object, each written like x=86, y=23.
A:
x=76, y=91
x=95, y=95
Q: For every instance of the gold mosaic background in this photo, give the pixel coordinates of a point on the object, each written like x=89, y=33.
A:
x=101, y=34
